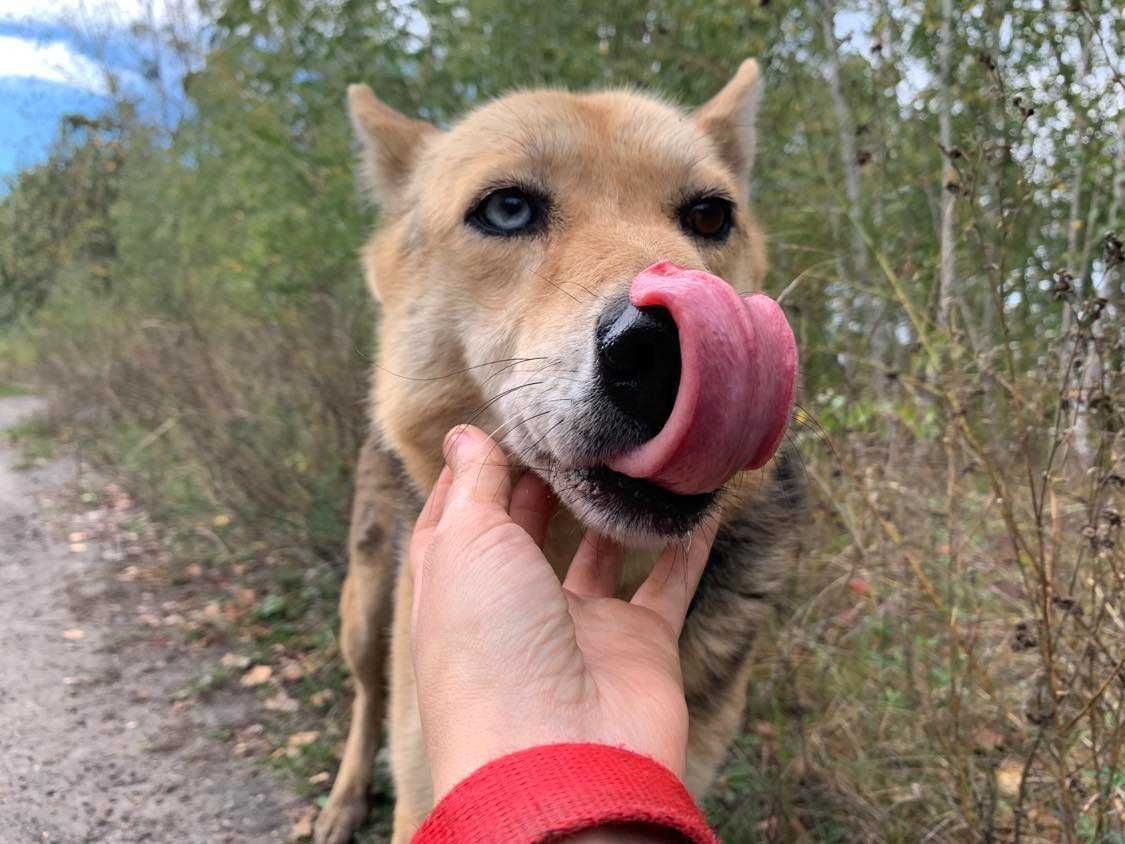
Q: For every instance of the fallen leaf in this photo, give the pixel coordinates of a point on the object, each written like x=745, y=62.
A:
x=292, y=672
x=221, y=520
x=78, y=547
x=302, y=738
x=321, y=698
x=986, y=740
x=1009, y=775
x=303, y=828
x=78, y=536
x=860, y=586
x=322, y=777
x=235, y=661
x=281, y=702
x=74, y=634
x=257, y=675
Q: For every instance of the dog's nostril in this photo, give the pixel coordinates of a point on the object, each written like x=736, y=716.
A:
x=639, y=362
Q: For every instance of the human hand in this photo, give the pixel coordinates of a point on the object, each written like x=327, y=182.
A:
x=506, y=657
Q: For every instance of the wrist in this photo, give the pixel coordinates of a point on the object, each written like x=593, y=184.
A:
x=626, y=834
x=555, y=791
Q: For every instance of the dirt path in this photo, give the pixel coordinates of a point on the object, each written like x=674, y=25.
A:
x=92, y=745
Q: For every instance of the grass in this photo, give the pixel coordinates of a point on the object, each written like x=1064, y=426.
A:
x=9, y=391
x=37, y=439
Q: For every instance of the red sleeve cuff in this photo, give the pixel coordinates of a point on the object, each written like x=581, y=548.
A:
x=560, y=789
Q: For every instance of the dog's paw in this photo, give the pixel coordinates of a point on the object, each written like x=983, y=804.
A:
x=339, y=820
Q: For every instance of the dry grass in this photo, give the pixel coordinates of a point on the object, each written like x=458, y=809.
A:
x=952, y=666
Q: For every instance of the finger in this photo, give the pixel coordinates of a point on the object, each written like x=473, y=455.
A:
x=669, y=588
x=532, y=506
x=596, y=568
x=435, y=505
x=425, y=528
x=480, y=469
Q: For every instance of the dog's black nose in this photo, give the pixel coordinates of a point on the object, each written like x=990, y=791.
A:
x=639, y=362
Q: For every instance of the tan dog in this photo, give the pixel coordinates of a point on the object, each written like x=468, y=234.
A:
x=503, y=267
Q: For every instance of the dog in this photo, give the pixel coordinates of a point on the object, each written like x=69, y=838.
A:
x=542, y=270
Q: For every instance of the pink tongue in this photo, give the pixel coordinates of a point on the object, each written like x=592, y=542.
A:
x=738, y=372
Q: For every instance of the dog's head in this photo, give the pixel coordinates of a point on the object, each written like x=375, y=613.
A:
x=568, y=272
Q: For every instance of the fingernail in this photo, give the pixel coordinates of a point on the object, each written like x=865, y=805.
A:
x=452, y=442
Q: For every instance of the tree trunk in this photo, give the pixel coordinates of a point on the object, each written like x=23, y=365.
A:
x=1085, y=441
x=1075, y=260
x=948, y=173
x=845, y=126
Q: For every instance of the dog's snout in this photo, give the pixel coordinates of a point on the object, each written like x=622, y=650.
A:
x=639, y=362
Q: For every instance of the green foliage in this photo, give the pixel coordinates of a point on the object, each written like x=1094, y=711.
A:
x=55, y=217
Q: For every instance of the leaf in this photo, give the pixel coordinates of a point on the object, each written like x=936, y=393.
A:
x=987, y=740
x=272, y=606
x=281, y=702
x=303, y=827
x=257, y=675
x=302, y=738
x=1009, y=775
x=74, y=634
x=234, y=661
x=321, y=698
x=292, y=672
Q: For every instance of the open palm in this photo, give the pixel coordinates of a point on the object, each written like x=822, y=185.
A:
x=506, y=657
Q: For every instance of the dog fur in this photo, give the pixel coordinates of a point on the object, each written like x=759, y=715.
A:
x=498, y=332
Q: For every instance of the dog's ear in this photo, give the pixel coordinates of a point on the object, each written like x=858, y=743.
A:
x=390, y=141
x=729, y=116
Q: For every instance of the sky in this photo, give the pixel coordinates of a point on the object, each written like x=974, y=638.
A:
x=54, y=57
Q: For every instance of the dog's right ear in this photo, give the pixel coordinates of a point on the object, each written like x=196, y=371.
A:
x=390, y=142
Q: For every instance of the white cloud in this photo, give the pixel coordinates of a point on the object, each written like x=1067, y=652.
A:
x=53, y=61
x=96, y=12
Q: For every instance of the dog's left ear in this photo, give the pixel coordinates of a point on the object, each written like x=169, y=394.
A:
x=729, y=117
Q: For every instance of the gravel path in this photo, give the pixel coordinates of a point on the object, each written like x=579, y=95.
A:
x=93, y=746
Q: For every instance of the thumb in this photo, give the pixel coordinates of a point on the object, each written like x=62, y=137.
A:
x=481, y=476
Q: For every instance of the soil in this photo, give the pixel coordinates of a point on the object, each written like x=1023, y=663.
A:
x=96, y=740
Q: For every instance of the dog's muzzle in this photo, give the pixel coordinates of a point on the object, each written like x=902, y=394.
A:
x=708, y=375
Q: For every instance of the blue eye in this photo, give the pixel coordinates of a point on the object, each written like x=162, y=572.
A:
x=507, y=212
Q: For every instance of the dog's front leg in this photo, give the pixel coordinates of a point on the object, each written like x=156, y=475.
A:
x=365, y=614
x=414, y=795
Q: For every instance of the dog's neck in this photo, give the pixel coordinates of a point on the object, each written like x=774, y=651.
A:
x=564, y=537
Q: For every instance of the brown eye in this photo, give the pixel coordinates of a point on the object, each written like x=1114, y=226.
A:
x=710, y=218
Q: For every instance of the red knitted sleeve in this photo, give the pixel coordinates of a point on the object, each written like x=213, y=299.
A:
x=546, y=792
